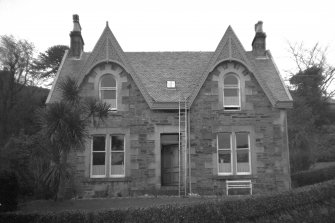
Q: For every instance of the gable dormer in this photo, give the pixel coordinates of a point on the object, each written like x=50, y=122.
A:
x=108, y=53
x=230, y=49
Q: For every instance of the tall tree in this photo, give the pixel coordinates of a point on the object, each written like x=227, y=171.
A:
x=47, y=63
x=64, y=124
x=310, y=89
x=303, y=117
x=16, y=58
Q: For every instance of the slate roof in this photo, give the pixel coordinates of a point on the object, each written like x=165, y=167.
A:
x=155, y=68
x=69, y=67
x=151, y=70
x=270, y=75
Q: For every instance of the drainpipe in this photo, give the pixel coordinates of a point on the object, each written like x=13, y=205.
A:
x=189, y=151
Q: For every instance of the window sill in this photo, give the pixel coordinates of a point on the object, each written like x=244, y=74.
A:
x=231, y=111
x=234, y=177
x=109, y=179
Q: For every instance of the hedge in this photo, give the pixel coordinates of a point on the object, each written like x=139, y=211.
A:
x=312, y=176
x=290, y=205
x=8, y=191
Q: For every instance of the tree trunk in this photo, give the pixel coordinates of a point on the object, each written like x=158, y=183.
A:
x=62, y=180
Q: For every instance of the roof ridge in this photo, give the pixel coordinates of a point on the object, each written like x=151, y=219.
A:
x=169, y=51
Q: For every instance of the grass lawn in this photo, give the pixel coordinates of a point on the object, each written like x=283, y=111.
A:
x=112, y=203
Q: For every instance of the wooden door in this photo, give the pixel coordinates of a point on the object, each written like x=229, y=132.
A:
x=170, y=167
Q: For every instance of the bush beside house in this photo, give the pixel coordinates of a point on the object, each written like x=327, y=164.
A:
x=8, y=191
x=310, y=177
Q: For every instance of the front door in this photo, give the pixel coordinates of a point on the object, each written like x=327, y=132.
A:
x=170, y=168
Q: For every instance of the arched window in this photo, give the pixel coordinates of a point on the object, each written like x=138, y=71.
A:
x=107, y=90
x=231, y=92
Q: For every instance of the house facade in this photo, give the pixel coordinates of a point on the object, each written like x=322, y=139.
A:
x=179, y=122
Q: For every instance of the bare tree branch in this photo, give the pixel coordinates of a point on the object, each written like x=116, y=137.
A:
x=316, y=56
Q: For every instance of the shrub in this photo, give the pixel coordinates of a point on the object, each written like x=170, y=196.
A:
x=312, y=176
x=8, y=191
x=305, y=204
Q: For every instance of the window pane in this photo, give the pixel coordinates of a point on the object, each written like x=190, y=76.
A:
x=242, y=157
x=171, y=84
x=231, y=97
x=231, y=92
x=117, y=143
x=230, y=80
x=108, y=94
x=98, y=170
x=117, y=163
x=111, y=103
x=242, y=140
x=98, y=143
x=108, y=81
x=224, y=161
x=117, y=158
x=224, y=140
x=169, y=139
x=98, y=158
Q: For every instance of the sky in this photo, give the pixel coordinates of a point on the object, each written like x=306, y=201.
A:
x=174, y=25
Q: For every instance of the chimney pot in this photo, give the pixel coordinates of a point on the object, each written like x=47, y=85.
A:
x=259, y=27
x=75, y=18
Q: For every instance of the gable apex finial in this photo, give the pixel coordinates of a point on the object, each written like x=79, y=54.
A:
x=107, y=24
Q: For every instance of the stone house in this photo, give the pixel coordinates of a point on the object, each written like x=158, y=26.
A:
x=179, y=122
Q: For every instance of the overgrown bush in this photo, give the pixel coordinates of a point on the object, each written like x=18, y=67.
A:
x=305, y=204
x=28, y=157
x=312, y=176
x=8, y=191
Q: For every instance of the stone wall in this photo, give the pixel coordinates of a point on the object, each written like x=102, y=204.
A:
x=267, y=127
x=143, y=127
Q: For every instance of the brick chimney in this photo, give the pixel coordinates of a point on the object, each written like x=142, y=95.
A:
x=259, y=43
x=77, y=42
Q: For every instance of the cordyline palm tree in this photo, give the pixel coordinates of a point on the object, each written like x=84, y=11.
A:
x=64, y=124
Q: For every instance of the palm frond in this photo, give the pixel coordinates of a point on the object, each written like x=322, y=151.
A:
x=102, y=110
x=96, y=108
x=70, y=90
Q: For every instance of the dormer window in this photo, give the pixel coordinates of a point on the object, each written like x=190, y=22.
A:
x=171, y=84
x=107, y=90
x=231, y=92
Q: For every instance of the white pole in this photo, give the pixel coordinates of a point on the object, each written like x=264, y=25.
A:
x=185, y=159
x=179, y=154
x=189, y=150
